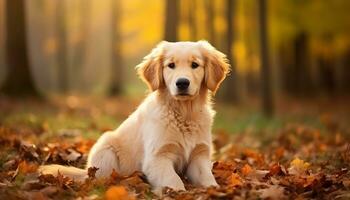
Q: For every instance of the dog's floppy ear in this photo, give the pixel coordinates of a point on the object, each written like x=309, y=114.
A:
x=216, y=67
x=150, y=69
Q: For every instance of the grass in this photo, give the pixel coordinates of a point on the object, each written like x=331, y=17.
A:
x=230, y=119
x=235, y=120
x=91, y=120
x=54, y=123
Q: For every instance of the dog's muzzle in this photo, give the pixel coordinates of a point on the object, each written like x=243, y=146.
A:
x=182, y=85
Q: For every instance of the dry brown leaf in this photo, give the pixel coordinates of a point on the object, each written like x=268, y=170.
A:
x=92, y=172
x=49, y=190
x=310, y=180
x=275, y=169
x=35, y=196
x=346, y=183
x=272, y=192
x=258, y=174
x=279, y=153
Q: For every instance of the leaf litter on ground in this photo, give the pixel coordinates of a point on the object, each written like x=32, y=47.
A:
x=299, y=162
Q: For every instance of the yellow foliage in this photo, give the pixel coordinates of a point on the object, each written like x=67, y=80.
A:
x=234, y=180
x=184, y=31
x=240, y=54
x=298, y=166
x=50, y=46
x=141, y=26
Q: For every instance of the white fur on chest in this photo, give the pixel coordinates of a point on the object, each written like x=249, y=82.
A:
x=171, y=127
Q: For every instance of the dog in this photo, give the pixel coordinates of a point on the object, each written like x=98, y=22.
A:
x=169, y=134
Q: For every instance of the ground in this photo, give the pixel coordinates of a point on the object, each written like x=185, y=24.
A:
x=301, y=153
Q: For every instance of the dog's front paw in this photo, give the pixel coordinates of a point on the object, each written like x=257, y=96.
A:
x=159, y=191
x=178, y=187
x=209, y=183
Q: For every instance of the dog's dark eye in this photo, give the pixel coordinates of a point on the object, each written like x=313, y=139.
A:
x=194, y=65
x=171, y=65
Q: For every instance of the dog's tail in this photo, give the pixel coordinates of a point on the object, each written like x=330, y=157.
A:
x=71, y=172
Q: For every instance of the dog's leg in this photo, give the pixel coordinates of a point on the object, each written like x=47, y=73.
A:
x=105, y=160
x=160, y=173
x=199, y=168
x=160, y=167
x=104, y=157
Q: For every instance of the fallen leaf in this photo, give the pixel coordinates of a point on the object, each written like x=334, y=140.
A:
x=234, y=180
x=246, y=170
x=275, y=169
x=71, y=155
x=272, y=192
x=310, y=180
x=259, y=174
x=254, y=156
x=346, y=183
x=279, y=153
x=92, y=172
x=25, y=167
x=35, y=196
x=118, y=193
x=28, y=150
x=298, y=167
x=49, y=190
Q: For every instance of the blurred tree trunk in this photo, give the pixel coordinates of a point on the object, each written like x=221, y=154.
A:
x=266, y=90
x=171, y=20
x=327, y=79
x=302, y=78
x=346, y=71
x=62, y=46
x=19, y=80
x=117, y=68
x=209, y=7
x=231, y=92
x=286, y=65
x=192, y=19
x=79, y=53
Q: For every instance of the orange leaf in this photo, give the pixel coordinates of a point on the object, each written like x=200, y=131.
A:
x=275, y=170
x=246, y=170
x=114, y=175
x=25, y=167
x=254, y=155
x=118, y=193
x=234, y=180
x=279, y=153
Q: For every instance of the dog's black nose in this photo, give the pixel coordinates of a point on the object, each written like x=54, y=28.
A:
x=182, y=83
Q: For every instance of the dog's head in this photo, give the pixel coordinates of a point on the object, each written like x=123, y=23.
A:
x=183, y=68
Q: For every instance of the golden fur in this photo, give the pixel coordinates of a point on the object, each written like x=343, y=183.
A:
x=169, y=133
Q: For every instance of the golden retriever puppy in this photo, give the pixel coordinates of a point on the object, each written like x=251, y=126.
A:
x=170, y=132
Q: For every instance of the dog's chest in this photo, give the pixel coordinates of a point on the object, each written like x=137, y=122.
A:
x=186, y=133
x=183, y=127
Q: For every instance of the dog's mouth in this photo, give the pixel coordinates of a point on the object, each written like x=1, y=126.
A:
x=183, y=93
x=184, y=96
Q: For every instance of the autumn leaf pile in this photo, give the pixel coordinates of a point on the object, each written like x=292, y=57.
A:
x=297, y=161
